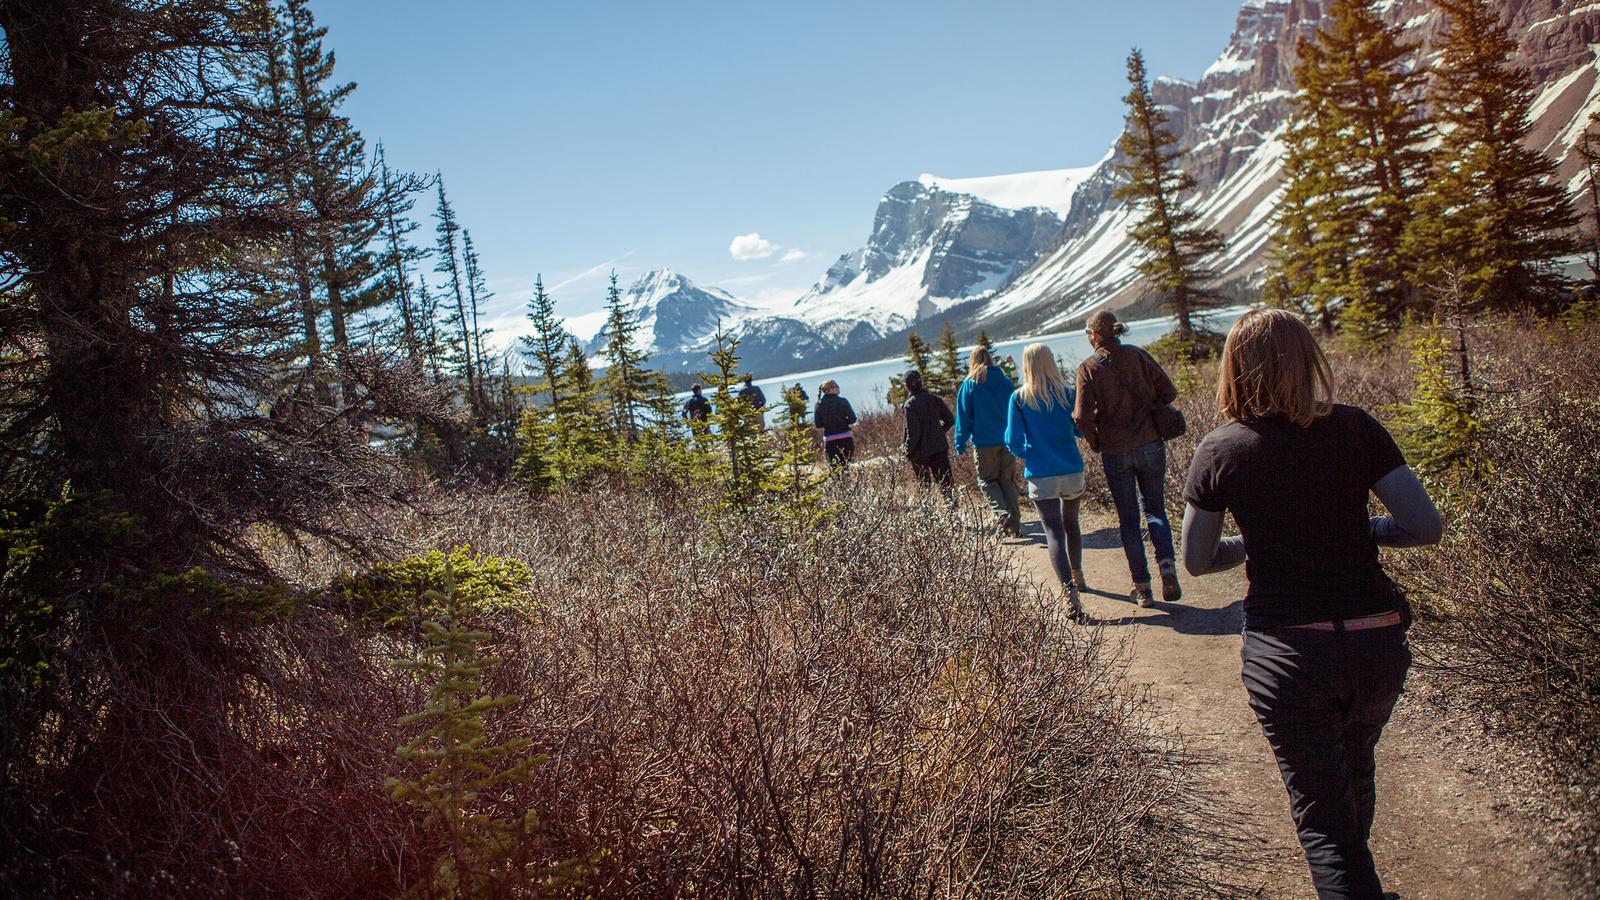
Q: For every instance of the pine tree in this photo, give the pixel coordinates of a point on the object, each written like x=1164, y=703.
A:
x=746, y=463
x=795, y=480
x=1172, y=243
x=547, y=345
x=946, y=373
x=457, y=768
x=1495, y=210
x=1588, y=147
x=1355, y=165
x=919, y=357
x=626, y=381
x=1005, y=363
x=450, y=265
x=478, y=294
x=399, y=259
x=1439, y=426
x=578, y=435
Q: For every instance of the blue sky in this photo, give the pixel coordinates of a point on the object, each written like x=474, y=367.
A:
x=578, y=136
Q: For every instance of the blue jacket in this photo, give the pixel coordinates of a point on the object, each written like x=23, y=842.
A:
x=1046, y=439
x=981, y=410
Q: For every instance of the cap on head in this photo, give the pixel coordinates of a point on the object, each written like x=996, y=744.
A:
x=913, y=380
x=748, y=377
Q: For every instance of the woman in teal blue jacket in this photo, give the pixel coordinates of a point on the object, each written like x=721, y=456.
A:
x=981, y=403
x=1040, y=431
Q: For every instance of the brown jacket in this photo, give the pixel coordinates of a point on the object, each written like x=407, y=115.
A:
x=1116, y=387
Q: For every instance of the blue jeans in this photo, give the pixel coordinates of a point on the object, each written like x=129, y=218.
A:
x=1140, y=473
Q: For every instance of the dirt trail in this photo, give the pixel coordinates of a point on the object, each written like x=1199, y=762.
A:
x=1440, y=830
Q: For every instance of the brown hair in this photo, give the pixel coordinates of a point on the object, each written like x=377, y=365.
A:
x=1271, y=365
x=978, y=363
x=1104, y=323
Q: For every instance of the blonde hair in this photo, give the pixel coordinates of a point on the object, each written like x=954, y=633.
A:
x=826, y=386
x=1271, y=365
x=1042, y=382
x=978, y=363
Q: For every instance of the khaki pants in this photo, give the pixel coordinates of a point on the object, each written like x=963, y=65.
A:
x=997, y=475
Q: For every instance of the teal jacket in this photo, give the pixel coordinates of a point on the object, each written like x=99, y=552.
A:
x=1046, y=439
x=981, y=410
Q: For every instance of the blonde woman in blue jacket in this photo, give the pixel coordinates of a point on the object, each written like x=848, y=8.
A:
x=1040, y=431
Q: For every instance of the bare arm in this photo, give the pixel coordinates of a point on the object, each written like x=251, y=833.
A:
x=1413, y=520
x=1205, y=550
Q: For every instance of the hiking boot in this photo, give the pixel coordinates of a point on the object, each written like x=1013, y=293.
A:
x=1069, y=598
x=1141, y=595
x=1171, y=591
x=1078, y=580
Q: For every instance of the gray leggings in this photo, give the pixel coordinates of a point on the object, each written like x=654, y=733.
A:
x=1061, y=534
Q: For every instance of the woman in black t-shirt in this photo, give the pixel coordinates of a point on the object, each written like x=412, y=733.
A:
x=1325, y=653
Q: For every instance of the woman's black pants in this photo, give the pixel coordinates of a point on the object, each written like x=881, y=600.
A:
x=1322, y=698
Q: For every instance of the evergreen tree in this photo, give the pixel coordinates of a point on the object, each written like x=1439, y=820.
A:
x=1171, y=241
x=478, y=294
x=1355, y=164
x=400, y=257
x=919, y=357
x=946, y=374
x=578, y=440
x=795, y=480
x=457, y=768
x=746, y=462
x=1005, y=363
x=1588, y=147
x=460, y=320
x=1439, y=426
x=1495, y=210
x=547, y=345
x=627, y=382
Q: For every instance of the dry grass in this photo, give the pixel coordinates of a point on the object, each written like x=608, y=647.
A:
x=731, y=705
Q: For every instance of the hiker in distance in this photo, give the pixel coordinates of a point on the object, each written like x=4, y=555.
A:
x=1040, y=431
x=833, y=417
x=1119, y=386
x=697, y=408
x=1325, y=652
x=757, y=400
x=981, y=403
x=927, y=420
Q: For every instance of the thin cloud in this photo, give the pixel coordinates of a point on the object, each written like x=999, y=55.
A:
x=589, y=272
x=751, y=246
x=794, y=256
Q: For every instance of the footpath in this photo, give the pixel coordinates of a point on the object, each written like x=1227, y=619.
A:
x=1440, y=830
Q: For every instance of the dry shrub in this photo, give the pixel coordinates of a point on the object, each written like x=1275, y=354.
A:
x=1508, y=604
x=204, y=758
x=879, y=706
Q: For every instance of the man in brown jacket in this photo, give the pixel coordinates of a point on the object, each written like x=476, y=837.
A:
x=1116, y=388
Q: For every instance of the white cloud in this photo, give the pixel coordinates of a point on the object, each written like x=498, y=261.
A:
x=751, y=246
x=794, y=256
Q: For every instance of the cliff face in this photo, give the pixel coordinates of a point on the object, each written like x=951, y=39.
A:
x=1230, y=122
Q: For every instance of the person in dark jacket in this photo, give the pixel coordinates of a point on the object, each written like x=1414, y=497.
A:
x=757, y=400
x=1117, y=385
x=1325, y=654
x=927, y=420
x=834, y=418
x=981, y=404
x=697, y=408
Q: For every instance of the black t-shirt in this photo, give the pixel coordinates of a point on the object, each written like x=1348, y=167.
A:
x=1299, y=496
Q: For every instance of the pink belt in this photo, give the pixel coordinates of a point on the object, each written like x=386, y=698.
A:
x=1381, y=620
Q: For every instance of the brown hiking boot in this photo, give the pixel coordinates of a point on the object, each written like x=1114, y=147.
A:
x=1171, y=591
x=1078, y=580
x=1141, y=595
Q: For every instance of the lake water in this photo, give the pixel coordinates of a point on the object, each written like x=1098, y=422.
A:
x=866, y=385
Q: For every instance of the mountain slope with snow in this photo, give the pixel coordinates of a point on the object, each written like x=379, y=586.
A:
x=674, y=314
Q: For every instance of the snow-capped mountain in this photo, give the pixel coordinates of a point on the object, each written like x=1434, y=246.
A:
x=1039, y=251
x=675, y=315
x=935, y=243
x=1231, y=122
